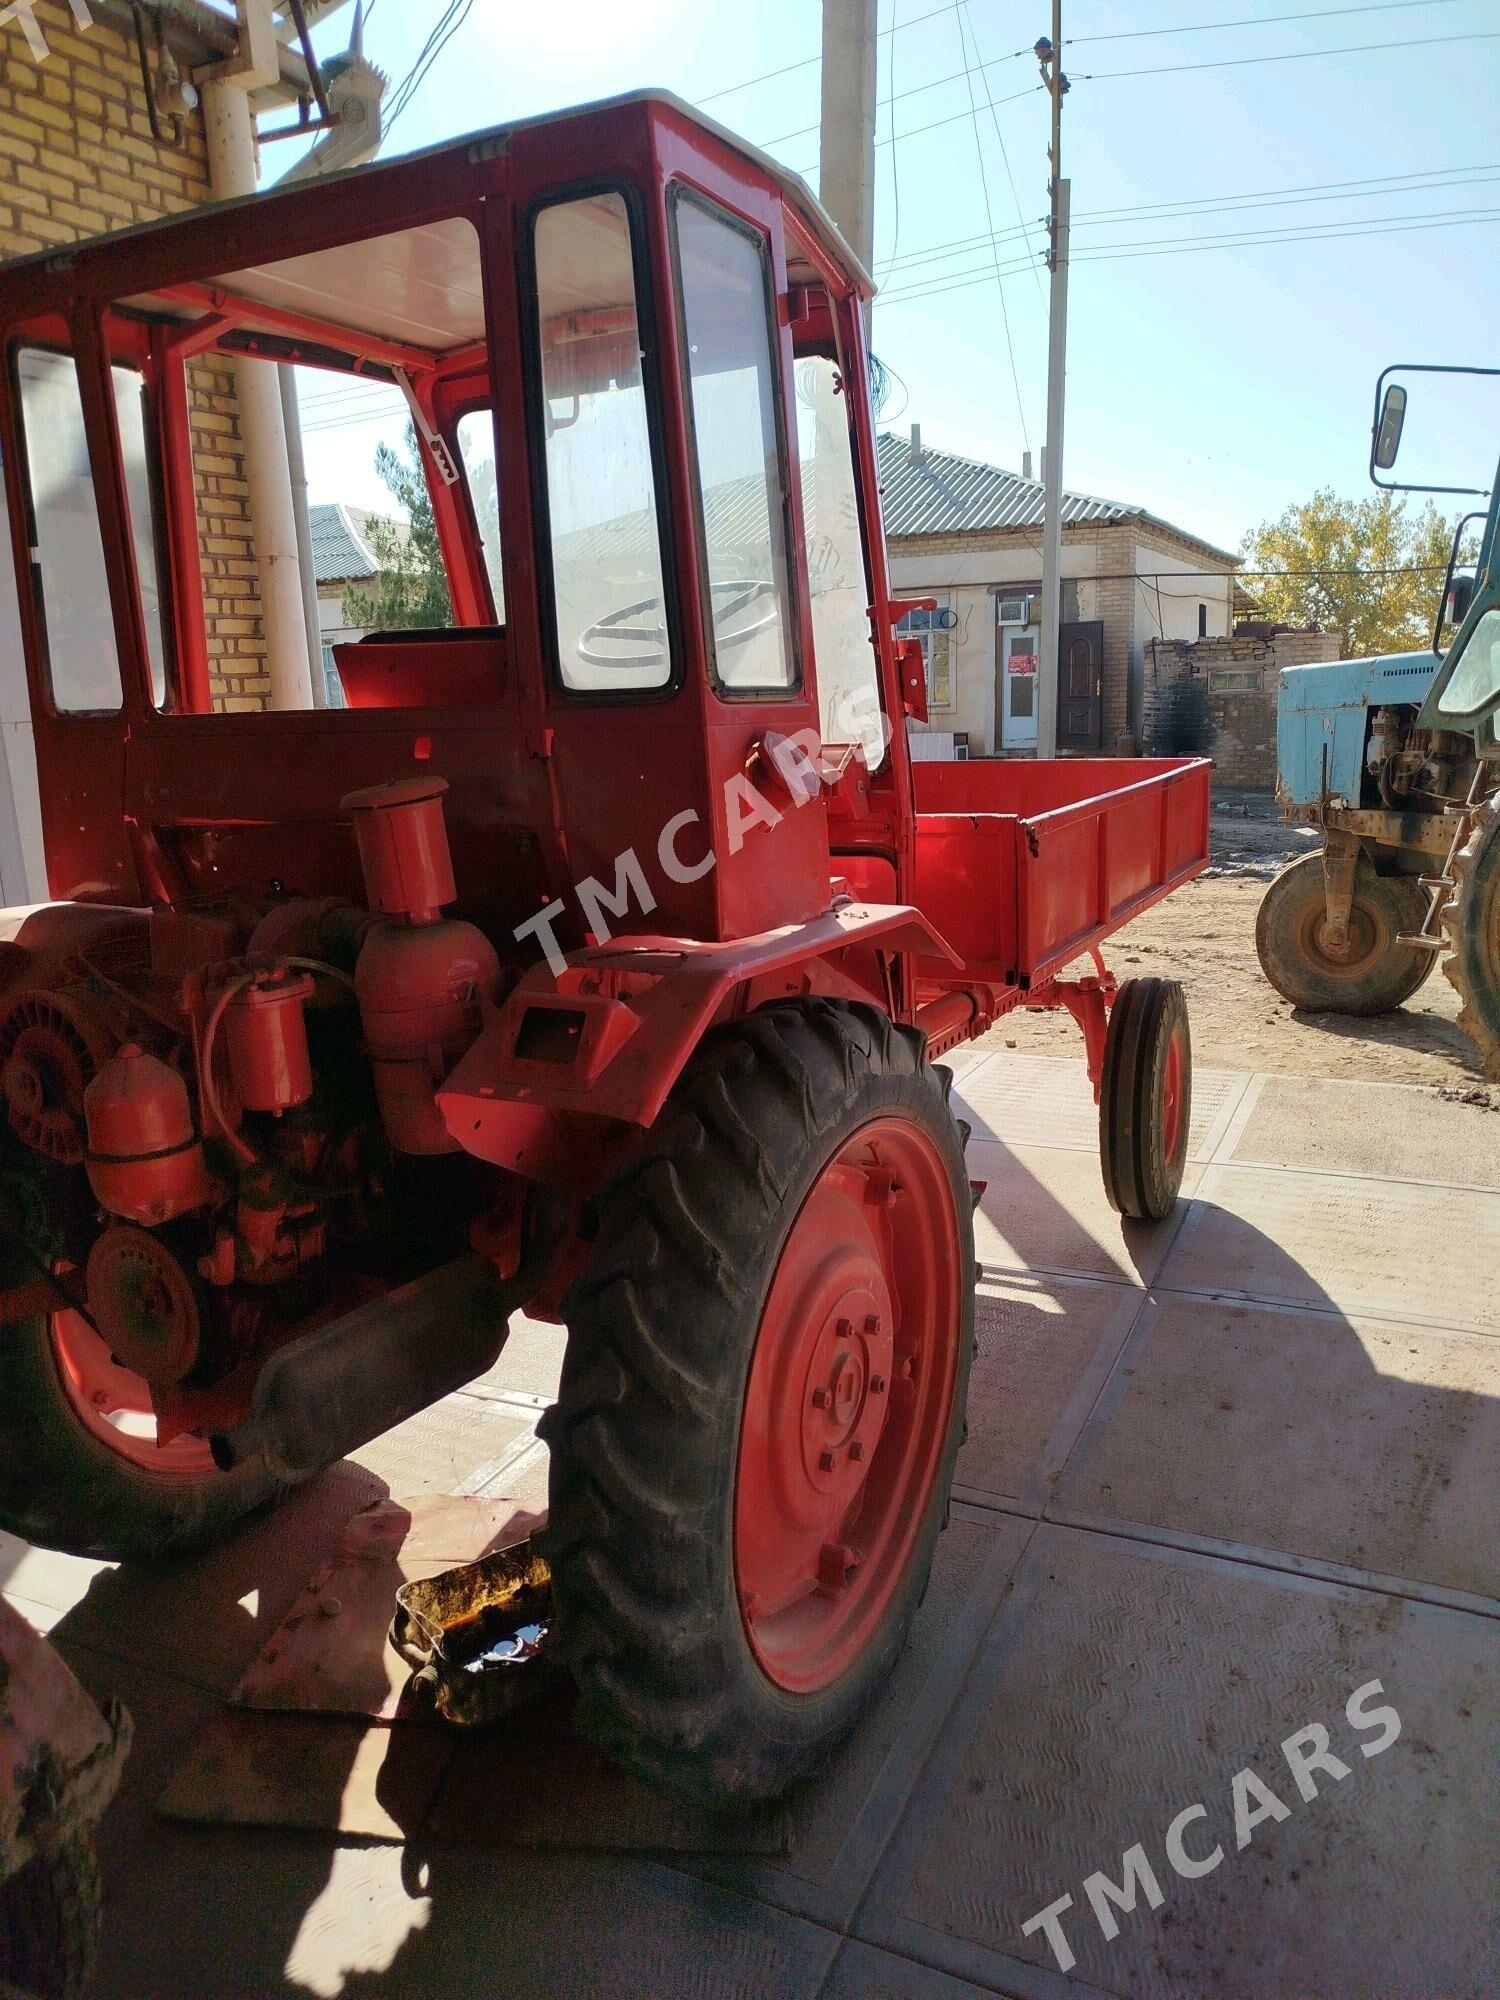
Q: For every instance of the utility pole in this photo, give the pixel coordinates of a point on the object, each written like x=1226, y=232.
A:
x=1049, y=55
x=846, y=166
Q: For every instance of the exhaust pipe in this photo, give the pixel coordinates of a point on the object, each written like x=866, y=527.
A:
x=322, y=1396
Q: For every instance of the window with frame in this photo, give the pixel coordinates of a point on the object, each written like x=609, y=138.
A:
x=603, y=515
x=838, y=588
x=733, y=385
x=72, y=591
x=935, y=629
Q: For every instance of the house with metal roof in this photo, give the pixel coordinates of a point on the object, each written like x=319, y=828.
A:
x=970, y=535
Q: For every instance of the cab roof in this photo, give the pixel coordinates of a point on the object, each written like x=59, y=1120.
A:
x=49, y=281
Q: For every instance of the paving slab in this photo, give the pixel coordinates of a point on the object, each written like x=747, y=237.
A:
x=1044, y=1209
x=860, y=1972
x=1402, y=1250
x=1122, y=1684
x=1045, y=1348
x=1028, y=1100
x=1395, y=1132
x=1356, y=1442
x=839, y=1823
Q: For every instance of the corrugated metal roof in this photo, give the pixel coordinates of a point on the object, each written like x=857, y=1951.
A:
x=340, y=552
x=942, y=494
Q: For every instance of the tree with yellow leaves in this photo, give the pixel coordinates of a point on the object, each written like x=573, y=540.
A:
x=1365, y=569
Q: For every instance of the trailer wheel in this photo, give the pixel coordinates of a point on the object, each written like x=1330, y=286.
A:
x=49, y=1923
x=1374, y=974
x=762, y=1401
x=1146, y=1098
x=80, y=1467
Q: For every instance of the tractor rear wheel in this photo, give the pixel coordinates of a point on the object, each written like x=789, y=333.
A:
x=1472, y=922
x=762, y=1401
x=1374, y=973
x=80, y=1465
x=1146, y=1098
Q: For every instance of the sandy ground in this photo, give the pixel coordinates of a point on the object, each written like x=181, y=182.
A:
x=1205, y=937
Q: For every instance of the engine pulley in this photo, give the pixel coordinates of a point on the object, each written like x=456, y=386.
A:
x=146, y=1305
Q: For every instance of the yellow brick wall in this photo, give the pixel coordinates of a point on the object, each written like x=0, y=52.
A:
x=77, y=156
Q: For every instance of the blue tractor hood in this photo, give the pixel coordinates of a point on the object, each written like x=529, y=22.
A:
x=1326, y=706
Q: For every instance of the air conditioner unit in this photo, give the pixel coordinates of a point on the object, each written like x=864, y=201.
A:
x=1013, y=610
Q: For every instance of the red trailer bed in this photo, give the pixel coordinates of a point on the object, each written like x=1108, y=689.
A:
x=1024, y=866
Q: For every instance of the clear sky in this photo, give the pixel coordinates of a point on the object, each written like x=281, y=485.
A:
x=1213, y=386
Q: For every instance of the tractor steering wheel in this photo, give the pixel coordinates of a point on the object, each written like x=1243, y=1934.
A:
x=729, y=600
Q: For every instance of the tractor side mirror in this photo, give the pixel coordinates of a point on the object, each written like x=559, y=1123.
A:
x=1460, y=597
x=1388, y=429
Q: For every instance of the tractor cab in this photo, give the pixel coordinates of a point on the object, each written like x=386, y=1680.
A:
x=611, y=366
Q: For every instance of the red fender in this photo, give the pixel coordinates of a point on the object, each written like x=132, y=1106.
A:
x=605, y=1040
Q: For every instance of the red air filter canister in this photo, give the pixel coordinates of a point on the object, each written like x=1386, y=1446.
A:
x=144, y=1159
x=403, y=847
x=266, y=1034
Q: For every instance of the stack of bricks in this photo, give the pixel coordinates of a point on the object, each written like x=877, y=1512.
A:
x=77, y=156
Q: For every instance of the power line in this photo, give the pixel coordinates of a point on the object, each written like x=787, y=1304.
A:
x=1167, y=247
x=807, y=62
x=931, y=125
x=1262, y=20
x=1454, y=177
x=973, y=245
x=984, y=184
x=1288, y=55
x=912, y=90
x=449, y=23
x=1000, y=142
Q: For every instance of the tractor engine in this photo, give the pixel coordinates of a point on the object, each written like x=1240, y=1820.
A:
x=1416, y=770
x=221, y=1124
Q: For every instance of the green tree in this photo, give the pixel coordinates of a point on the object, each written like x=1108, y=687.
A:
x=1365, y=569
x=412, y=587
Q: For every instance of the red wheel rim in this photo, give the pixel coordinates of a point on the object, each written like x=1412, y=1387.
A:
x=1171, y=1095
x=115, y=1406
x=847, y=1405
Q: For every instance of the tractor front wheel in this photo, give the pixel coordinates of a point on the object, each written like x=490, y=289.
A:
x=762, y=1401
x=81, y=1465
x=1373, y=972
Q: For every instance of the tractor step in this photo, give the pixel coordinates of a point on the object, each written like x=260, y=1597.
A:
x=1420, y=940
x=1445, y=883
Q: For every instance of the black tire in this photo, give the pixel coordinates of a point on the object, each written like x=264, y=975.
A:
x=1375, y=975
x=1142, y=1162
x=645, y=1436
x=1472, y=923
x=63, y=1488
x=50, y=1922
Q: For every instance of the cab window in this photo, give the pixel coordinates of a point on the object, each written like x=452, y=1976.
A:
x=843, y=656
x=72, y=593
x=1476, y=677
x=728, y=327
x=603, y=520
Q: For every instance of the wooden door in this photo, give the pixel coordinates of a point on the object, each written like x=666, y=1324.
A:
x=1080, y=694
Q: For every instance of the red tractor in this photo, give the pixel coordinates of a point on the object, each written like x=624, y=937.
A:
x=620, y=1001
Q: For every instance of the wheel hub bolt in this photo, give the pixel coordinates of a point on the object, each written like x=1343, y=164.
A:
x=827, y=1460
x=820, y=1399
x=837, y=1563
x=856, y=1452
x=877, y=1385
x=872, y=1323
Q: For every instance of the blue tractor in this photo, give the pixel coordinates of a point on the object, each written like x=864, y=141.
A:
x=1397, y=759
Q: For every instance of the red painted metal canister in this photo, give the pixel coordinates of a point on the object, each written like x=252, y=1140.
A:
x=144, y=1160
x=420, y=991
x=403, y=847
x=265, y=1031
